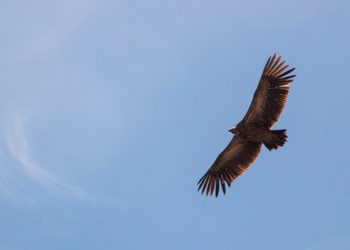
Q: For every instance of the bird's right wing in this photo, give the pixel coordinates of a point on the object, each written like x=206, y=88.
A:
x=231, y=163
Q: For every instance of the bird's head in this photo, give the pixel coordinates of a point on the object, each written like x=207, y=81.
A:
x=234, y=131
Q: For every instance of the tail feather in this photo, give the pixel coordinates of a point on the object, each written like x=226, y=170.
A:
x=279, y=138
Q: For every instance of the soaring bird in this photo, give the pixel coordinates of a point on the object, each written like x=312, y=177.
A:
x=254, y=130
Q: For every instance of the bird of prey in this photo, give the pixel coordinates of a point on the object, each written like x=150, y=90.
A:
x=254, y=130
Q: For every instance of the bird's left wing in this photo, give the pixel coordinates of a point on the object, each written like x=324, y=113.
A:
x=271, y=95
x=231, y=163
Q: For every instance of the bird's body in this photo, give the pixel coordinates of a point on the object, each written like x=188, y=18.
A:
x=251, y=132
x=254, y=130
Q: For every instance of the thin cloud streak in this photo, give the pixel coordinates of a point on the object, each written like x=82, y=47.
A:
x=19, y=150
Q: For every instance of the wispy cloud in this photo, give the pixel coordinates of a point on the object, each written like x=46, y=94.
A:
x=21, y=164
x=22, y=176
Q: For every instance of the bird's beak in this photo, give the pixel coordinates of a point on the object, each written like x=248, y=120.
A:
x=232, y=130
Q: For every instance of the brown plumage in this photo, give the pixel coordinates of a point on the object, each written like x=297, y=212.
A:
x=254, y=130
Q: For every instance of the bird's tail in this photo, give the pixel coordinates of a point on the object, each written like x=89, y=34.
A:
x=278, y=138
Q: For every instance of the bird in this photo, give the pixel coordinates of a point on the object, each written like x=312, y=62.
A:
x=254, y=130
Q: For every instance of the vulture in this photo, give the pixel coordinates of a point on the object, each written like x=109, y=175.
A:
x=254, y=130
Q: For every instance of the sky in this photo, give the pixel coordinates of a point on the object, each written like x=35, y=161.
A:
x=111, y=111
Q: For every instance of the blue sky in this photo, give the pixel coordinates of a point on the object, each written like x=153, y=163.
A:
x=112, y=110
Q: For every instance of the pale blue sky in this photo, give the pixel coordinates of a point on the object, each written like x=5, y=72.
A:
x=112, y=110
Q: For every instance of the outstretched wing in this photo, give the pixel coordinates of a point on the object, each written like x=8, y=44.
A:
x=231, y=163
x=271, y=95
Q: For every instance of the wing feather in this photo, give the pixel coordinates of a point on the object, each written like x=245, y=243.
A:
x=271, y=94
x=231, y=163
